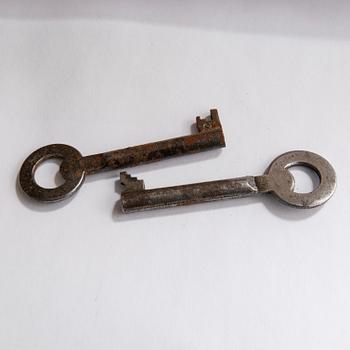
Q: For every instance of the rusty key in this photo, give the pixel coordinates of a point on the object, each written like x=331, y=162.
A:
x=75, y=167
x=277, y=180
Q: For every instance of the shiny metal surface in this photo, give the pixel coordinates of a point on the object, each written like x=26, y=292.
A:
x=277, y=180
x=281, y=181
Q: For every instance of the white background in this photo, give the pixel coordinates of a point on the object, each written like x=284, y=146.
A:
x=244, y=274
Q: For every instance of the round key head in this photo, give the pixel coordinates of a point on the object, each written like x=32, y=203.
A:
x=281, y=180
x=70, y=171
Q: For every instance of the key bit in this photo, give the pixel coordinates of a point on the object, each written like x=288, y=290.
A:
x=131, y=183
x=210, y=122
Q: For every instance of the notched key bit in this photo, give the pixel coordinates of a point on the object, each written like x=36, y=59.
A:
x=75, y=167
x=277, y=180
x=131, y=183
x=208, y=123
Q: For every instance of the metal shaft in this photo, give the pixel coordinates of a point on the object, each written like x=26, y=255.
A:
x=136, y=199
x=152, y=152
x=209, y=136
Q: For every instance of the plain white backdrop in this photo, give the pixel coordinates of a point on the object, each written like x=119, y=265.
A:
x=243, y=274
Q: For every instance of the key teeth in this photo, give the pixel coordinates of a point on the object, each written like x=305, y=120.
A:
x=131, y=183
x=210, y=122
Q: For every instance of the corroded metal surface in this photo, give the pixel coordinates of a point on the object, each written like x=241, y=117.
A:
x=277, y=180
x=209, y=136
x=73, y=180
x=75, y=167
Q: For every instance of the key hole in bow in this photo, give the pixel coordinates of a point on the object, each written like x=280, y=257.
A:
x=48, y=175
x=306, y=179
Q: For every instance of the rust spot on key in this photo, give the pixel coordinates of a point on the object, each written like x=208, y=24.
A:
x=75, y=167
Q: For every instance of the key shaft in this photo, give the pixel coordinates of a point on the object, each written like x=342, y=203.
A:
x=135, y=198
x=155, y=151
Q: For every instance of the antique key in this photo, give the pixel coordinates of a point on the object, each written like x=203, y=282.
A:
x=277, y=180
x=75, y=167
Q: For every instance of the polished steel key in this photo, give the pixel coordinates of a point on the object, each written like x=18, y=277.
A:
x=75, y=167
x=277, y=180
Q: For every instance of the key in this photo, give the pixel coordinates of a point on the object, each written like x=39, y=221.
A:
x=75, y=167
x=277, y=180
